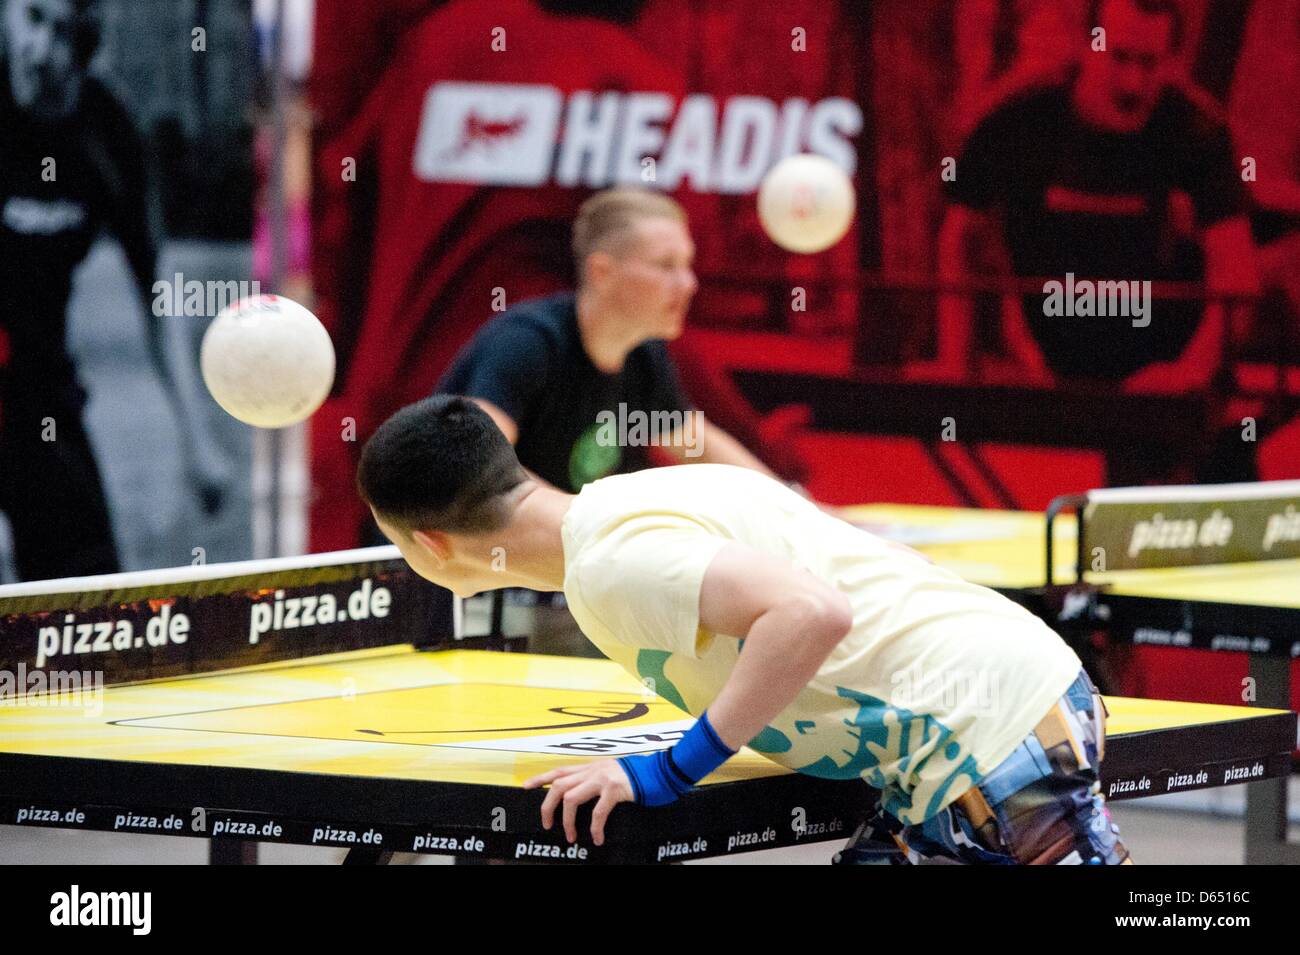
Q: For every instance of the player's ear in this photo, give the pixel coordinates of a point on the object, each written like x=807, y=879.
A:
x=600, y=265
x=436, y=543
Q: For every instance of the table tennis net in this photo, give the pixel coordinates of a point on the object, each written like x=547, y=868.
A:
x=1149, y=527
x=150, y=624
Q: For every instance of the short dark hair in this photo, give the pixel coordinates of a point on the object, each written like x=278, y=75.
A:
x=440, y=464
x=1168, y=8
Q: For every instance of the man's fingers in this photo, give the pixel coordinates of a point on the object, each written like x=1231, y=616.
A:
x=574, y=798
x=540, y=780
x=553, y=797
x=571, y=787
x=551, y=775
x=600, y=815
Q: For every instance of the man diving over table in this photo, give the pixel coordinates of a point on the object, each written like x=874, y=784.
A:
x=825, y=648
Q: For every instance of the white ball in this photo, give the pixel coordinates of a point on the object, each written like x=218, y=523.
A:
x=267, y=361
x=806, y=203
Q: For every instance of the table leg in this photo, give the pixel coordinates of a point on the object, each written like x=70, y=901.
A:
x=232, y=852
x=359, y=855
x=1266, y=801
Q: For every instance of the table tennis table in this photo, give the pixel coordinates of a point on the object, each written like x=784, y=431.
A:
x=396, y=749
x=1251, y=607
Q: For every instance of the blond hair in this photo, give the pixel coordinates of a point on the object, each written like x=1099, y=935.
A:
x=607, y=218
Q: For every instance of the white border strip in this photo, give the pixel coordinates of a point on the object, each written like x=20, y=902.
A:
x=1178, y=494
x=189, y=574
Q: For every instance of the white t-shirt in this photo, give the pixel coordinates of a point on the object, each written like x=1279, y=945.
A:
x=938, y=681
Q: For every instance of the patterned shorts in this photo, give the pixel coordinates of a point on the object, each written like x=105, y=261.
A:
x=1042, y=805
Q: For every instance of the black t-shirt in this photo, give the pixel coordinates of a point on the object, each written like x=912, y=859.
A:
x=1095, y=203
x=530, y=363
x=48, y=223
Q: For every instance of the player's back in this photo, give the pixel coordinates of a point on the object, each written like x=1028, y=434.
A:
x=937, y=682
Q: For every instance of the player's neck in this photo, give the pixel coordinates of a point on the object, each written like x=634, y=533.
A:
x=1091, y=110
x=606, y=337
x=535, y=548
x=1084, y=104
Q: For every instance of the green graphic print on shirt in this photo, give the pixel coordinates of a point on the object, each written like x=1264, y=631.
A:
x=883, y=733
x=592, y=459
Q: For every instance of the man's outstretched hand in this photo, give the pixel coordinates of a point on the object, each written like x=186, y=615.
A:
x=604, y=781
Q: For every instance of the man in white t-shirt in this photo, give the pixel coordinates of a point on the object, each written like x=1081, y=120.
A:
x=826, y=649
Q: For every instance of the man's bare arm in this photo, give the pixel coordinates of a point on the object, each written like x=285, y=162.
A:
x=1231, y=281
x=954, y=315
x=709, y=444
x=510, y=430
x=791, y=621
x=503, y=421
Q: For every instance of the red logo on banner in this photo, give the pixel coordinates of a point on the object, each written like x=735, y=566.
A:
x=478, y=131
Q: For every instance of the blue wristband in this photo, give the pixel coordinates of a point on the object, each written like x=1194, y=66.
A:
x=661, y=778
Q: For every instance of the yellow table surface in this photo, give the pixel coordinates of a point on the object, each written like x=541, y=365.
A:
x=459, y=715
x=1007, y=549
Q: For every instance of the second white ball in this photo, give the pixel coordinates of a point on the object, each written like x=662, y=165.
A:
x=806, y=203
